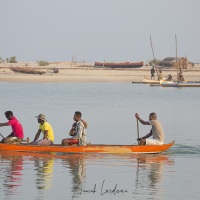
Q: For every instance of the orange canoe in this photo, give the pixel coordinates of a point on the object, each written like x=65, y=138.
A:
x=96, y=148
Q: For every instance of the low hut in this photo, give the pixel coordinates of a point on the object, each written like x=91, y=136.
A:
x=173, y=62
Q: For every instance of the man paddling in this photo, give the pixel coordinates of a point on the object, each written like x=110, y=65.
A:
x=46, y=129
x=17, y=134
x=77, y=132
x=156, y=131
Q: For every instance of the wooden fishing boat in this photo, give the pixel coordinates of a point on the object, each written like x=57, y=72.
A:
x=26, y=70
x=168, y=83
x=97, y=148
x=188, y=84
x=149, y=81
x=179, y=84
x=119, y=65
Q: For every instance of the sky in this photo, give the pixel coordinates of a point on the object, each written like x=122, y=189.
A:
x=99, y=30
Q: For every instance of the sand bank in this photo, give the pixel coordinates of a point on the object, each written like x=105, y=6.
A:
x=78, y=73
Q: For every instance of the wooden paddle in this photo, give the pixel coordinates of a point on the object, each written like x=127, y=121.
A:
x=2, y=136
x=137, y=131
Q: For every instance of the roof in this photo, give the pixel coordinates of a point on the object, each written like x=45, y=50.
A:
x=169, y=60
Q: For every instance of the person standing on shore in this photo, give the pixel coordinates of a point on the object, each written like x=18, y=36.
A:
x=17, y=134
x=78, y=132
x=46, y=129
x=180, y=77
x=160, y=75
x=156, y=131
x=152, y=72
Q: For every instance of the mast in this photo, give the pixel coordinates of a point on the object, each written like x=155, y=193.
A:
x=153, y=55
x=176, y=48
x=176, y=56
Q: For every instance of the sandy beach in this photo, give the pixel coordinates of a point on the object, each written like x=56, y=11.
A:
x=80, y=73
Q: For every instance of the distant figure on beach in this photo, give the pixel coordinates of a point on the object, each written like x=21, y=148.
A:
x=78, y=132
x=47, y=131
x=160, y=77
x=17, y=134
x=156, y=131
x=55, y=70
x=180, y=77
x=152, y=72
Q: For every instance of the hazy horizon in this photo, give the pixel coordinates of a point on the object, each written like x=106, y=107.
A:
x=99, y=30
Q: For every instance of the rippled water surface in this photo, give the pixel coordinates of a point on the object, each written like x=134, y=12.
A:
x=109, y=109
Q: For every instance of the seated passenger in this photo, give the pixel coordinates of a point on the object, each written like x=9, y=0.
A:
x=46, y=129
x=169, y=78
x=78, y=131
x=17, y=135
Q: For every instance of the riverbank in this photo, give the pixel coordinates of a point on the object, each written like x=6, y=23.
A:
x=85, y=73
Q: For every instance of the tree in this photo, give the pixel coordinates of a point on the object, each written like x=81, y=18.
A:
x=13, y=59
x=154, y=62
x=43, y=63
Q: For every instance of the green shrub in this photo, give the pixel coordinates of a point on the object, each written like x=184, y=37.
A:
x=11, y=60
x=43, y=63
x=155, y=62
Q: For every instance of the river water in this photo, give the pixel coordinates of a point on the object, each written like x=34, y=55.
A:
x=109, y=109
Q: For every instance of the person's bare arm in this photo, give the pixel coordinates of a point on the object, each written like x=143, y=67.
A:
x=4, y=124
x=141, y=121
x=147, y=135
x=37, y=135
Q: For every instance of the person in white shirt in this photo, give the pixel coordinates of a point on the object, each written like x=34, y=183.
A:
x=156, y=131
x=78, y=132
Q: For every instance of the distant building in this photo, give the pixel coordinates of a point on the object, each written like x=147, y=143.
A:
x=197, y=65
x=170, y=62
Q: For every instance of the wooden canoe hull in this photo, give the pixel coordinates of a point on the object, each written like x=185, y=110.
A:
x=179, y=84
x=119, y=65
x=26, y=70
x=149, y=81
x=118, y=149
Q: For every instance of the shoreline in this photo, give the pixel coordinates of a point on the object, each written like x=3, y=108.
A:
x=69, y=73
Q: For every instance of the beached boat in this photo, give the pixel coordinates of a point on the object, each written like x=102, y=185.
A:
x=26, y=70
x=97, y=148
x=119, y=65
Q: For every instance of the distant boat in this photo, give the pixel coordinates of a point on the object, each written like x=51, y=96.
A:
x=168, y=83
x=180, y=84
x=189, y=84
x=26, y=70
x=150, y=81
x=119, y=65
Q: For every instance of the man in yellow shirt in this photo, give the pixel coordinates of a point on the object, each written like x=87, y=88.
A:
x=47, y=131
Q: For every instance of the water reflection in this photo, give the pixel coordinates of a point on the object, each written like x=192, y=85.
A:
x=11, y=175
x=149, y=172
x=144, y=174
x=44, y=172
x=76, y=164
